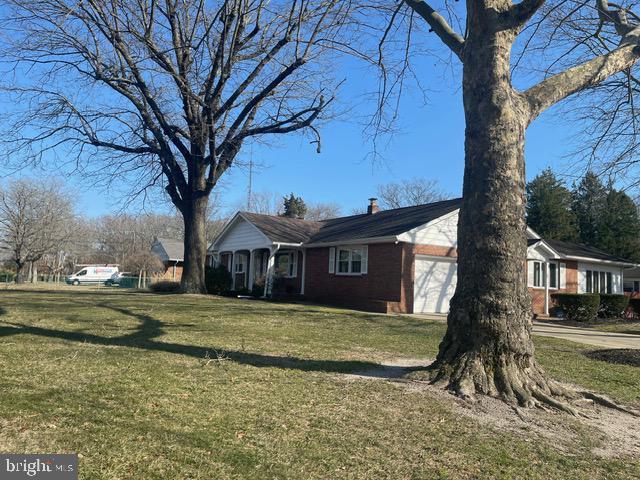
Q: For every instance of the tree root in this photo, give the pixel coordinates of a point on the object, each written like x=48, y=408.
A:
x=607, y=402
x=521, y=387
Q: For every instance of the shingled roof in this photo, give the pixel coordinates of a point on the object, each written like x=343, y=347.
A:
x=283, y=229
x=569, y=249
x=382, y=224
x=173, y=248
x=385, y=223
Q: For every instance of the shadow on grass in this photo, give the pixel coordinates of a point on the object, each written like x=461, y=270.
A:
x=623, y=356
x=150, y=328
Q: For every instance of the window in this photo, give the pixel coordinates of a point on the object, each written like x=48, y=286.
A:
x=553, y=275
x=540, y=275
x=239, y=264
x=537, y=280
x=286, y=264
x=352, y=260
x=598, y=282
x=82, y=272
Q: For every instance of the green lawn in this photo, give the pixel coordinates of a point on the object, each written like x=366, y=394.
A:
x=188, y=387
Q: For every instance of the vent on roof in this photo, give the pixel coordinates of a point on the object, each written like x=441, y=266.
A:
x=373, y=206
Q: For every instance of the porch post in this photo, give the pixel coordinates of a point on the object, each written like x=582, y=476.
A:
x=233, y=267
x=268, y=277
x=546, y=287
x=303, y=252
x=250, y=270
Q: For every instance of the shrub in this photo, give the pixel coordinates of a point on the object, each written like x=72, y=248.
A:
x=578, y=307
x=634, y=305
x=258, y=287
x=165, y=286
x=217, y=279
x=612, y=306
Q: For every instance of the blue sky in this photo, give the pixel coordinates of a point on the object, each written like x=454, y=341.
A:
x=428, y=144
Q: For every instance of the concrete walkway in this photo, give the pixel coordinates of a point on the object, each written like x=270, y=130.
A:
x=587, y=335
x=574, y=334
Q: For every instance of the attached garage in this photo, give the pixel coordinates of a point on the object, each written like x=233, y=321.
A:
x=434, y=285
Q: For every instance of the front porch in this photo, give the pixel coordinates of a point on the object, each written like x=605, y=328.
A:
x=267, y=272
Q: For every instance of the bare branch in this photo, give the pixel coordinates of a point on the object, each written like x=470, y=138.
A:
x=438, y=25
x=555, y=88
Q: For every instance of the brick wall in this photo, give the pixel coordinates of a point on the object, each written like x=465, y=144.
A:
x=537, y=294
x=381, y=289
x=168, y=273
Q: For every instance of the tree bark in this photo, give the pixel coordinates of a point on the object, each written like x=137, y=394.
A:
x=194, y=214
x=487, y=348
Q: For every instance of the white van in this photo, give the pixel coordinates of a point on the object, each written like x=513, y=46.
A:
x=91, y=274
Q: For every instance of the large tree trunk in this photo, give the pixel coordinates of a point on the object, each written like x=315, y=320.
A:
x=487, y=348
x=195, y=246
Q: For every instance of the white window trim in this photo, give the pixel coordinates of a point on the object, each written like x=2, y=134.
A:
x=363, y=260
x=543, y=275
x=608, y=278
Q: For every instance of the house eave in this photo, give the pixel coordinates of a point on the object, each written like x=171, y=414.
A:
x=353, y=241
x=598, y=260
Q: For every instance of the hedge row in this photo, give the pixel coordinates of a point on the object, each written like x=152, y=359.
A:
x=586, y=307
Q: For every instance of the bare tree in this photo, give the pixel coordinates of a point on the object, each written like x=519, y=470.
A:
x=487, y=348
x=168, y=92
x=322, y=211
x=265, y=203
x=406, y=193
x=144, y=264
x=35, y=220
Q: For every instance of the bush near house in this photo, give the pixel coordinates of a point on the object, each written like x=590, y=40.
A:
x=634, y=306
x=165, y=286
x=612, y=306
x=579, y=307
x=217, y=280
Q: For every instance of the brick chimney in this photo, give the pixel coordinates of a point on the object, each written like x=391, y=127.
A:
x=373, y=206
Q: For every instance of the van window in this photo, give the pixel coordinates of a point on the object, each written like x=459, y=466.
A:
x=81, y=272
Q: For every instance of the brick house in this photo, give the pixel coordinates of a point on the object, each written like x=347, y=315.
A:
x=171, y=254
x=401, y=260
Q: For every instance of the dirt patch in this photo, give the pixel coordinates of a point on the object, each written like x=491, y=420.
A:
x=609, y=433
x=624, y=356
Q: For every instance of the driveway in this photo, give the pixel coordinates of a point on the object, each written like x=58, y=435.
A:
x=575, y=334
x=588, y=336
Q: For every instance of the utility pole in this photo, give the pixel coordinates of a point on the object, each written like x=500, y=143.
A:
x=249, y=192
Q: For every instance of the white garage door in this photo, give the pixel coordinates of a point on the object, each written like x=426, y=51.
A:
x=435, y=284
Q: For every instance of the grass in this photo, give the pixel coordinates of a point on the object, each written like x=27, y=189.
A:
x=167, y=386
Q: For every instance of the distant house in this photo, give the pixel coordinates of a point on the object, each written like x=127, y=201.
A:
x=400, y=260
x=631, y=283
x=171, y=253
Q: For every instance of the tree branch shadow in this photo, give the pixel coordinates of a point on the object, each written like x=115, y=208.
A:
x=151, y=328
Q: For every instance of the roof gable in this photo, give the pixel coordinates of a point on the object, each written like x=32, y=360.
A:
x=169, y=248
x=283, y=229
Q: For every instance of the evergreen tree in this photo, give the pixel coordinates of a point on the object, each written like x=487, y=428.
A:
x=619, y=226
x=549, y=208
x=589, y=200
x=294, y=207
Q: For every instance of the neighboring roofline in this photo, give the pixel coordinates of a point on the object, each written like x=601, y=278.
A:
x=534, y=235
x=599, y=260
x=548, y=247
